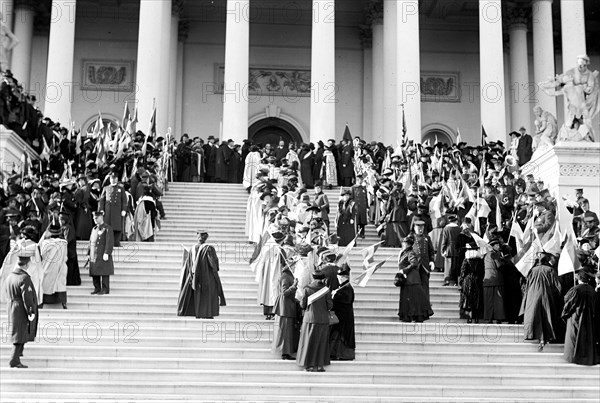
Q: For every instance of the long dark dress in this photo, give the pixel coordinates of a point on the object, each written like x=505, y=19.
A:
x=307, y=161
x=541, y=305
x=83, y=215
x=201, y=290
x=73, y=274
x=414, y=305
x=580, y=314
x=341, y=339
x=286, y=342
x=471, y=288
x=346, y=227
x=513, y=293
x=313, y=349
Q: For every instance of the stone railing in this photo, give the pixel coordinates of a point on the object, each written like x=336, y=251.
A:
x=568, y=166
x=12, y=148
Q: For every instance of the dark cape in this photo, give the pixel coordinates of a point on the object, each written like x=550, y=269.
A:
x=341, y=336
x=201, y=288
x=306, y=169
x=580, y=314
x=313, y=348
x=541, y=305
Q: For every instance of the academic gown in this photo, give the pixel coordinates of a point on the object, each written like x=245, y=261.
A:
x=541, y=304
x=580, y=314
x=54, y=262
x=346, y=227
x=306, y=167
x=201, y=292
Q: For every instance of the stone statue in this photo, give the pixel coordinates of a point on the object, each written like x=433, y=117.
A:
x=581, y=89
x=546, y=129
x=7, y=41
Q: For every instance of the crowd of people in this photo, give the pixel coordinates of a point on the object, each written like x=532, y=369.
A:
x=467, y=211
x=103, y=187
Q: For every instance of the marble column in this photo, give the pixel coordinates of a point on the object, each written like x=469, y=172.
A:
x=543, y=51
x=7, y=9
x=21, y=54
x=59, y=76
x=378, y=83
x=323, y=86
x=389, y=72
x=572, y=23
x=153, y=63
x=183, y=35
x=491, y=62
x=521, y=91
x=368, y=93
x=173, y=59
x=408, y=72
x=237, y=66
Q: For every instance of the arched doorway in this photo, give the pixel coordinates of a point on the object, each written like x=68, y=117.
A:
x=437, y=135
x=272, y=130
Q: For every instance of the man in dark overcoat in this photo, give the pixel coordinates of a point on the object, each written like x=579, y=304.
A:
x=113, y=202
x=347, y=161
x=100, y=255
x=22, y=309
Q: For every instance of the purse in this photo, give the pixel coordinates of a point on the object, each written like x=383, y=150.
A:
x=333, y=319
x=399, y=279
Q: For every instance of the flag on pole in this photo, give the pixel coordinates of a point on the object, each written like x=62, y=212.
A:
x=368, y=254
x=458, y=137
x=344, y=257
x=363, y=278
x=132, y=123
x=71, y=131
x=347, y=136
x=126, y=116
x=404, y=130
x=78, y=143
x=568, y=261
x=45, y=150
x=98, y=127
x=258, y=248
x=152, y=127
x=517, y=233
x=483, y=136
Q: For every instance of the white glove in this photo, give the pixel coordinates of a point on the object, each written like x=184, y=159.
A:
x=105, y=257
x=431, y=266
x=123, y=213
x=31, y=317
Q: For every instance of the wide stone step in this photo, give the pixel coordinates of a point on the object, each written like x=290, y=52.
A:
x=173, y=398
x=346, y=378
x=224, y=389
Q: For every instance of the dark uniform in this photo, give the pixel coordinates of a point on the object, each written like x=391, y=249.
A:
x=101, y=242
x=113, y=202
x=22, y=302
x=359, y=195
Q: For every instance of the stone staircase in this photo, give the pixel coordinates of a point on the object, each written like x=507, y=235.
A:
x=130, y=345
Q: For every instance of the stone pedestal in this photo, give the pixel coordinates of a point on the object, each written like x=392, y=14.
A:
x=12, y=148
x=568, y=166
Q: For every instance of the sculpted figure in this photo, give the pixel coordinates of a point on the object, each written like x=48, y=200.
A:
x=546, y=129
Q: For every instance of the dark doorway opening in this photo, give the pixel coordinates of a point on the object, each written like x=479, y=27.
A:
x=272, y=130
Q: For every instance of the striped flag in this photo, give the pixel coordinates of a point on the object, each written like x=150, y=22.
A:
x=568, y=261
x=98, y=127
x=458, y=137
x=368, y=254
x=404, y=130
x=344, y=257
x=517, y=233
x=132, y=123
x=363, y=278
x=126, y=116
x=152, y=127
x=483, y=136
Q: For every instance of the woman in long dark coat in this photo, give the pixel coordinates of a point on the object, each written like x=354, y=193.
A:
x=471, y=285
x=414, y=305
x=342, y=340
x=580, y=314
x=541, y=305
x=286, y=342
x=83, y=215
x=313, y=349
x=346, y=226
x=493, y=285
x=307, y=162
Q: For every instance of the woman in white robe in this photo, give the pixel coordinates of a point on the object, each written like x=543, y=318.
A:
x=53, y=249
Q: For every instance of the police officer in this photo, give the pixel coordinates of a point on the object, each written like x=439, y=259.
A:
x=113, y=202
x=100, y=255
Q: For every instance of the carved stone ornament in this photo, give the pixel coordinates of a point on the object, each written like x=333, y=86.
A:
x=585, y=170
x=108, y=75
x=440, y=86
x=269, y=81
